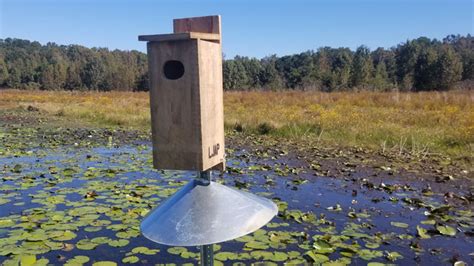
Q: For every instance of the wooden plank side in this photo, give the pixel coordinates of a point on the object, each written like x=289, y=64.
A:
x=179, y=37
x=164, y=37
x=212, y=107
x=175, y=107
x=208, y=24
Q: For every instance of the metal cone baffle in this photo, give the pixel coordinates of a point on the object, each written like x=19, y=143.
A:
x=205, y=212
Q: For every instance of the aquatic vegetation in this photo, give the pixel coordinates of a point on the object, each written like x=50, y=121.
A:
x=67, y=198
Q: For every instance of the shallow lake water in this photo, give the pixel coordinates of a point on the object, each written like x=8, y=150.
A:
x=73, y=205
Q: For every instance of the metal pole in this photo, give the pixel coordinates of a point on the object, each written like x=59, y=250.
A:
x=207, y=251
x=207, y=255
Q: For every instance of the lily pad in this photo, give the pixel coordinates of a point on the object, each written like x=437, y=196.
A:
x=145, y=251
x=86, y=244
x=323, y=247
x=422, y=232
x=131, y=259
x=393, y=256
x=261, y=255
x=317, y=258
x=256, y=245
x=77, y=260
x=279, y=256
x=6, y=223
x=65, y=236
x=177, y=250
x=224, y=256
x=446, y=230
x=118, y=243
x=399, y=224
x=41, y=262
x=367, y=254
x=27, y=260
x=104, y=263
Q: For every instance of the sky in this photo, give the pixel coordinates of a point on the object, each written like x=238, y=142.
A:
x=254, y=28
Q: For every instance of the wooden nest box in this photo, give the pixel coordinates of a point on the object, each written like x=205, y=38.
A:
x=186, y=95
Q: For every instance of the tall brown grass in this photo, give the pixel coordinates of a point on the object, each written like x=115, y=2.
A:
x=426, y=122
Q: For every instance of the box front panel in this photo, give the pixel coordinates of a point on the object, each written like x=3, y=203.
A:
x=174, y=102
x=212, y=108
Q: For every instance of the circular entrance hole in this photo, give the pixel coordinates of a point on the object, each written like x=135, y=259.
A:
x=173, y=69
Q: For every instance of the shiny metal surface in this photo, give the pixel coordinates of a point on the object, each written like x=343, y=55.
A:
x=204, y=213
x=207, y=255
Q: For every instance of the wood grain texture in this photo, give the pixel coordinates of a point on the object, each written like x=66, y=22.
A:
x=175, y=107
x=179, y=37
x=212, y=107
x=208, y=24
x=187, y=113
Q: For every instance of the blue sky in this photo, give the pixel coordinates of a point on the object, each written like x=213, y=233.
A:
x=250, y=27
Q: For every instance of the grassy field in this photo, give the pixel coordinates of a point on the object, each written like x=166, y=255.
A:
x=417, y=123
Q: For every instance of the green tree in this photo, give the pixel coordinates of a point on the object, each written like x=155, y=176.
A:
x=298, y=70
x=235, y=76
x=381, y=80
x=341, y=67
x=252, y=68
x=362, y=67
x=385, y=68
x=92, y=74
x=420, y=64
x=53, y=77
x=426, y=69
x=3, y=71
x=323, y=67
x=449, y=68
x=73, y=78
x=142, y=83
x=14, y=78
x=406, y=57
x=269, y=77
x=464, y=47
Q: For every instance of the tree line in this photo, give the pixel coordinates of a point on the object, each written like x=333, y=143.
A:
x=415, y=65
x=30, y=65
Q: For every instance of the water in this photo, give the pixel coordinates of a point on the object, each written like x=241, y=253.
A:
x=122, y=187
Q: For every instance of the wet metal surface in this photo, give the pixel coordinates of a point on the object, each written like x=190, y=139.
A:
x=205, y=214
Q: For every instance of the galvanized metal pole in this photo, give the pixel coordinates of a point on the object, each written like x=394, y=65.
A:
x=207, y=255
x=207, y=251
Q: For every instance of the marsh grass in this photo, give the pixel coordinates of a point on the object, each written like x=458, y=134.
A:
x=418, y=123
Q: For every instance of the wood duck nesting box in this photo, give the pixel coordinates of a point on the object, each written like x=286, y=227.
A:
x=186, y=95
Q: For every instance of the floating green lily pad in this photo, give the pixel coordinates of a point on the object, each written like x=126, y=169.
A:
x=118, y=243
x=145, y=251
x=86, y=244
x=256, y=245
x=446, y=230
x=399, y=224
x=224, y=256
x=393, y=256
x=104, y=263
x=77, y=260
x=317, y=258
x=27, y=260
x=177, y=250
x=6, y=223
x=422, y=232
x=130, y=259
